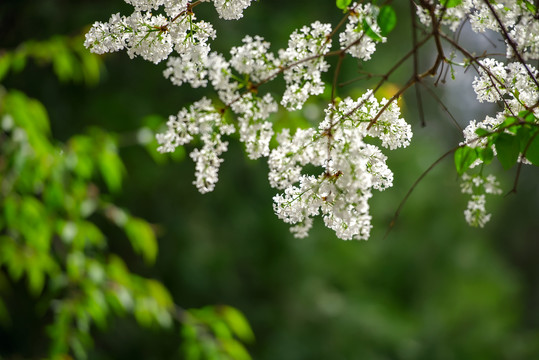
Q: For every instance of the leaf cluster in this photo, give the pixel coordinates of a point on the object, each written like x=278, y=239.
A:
x=516, y=135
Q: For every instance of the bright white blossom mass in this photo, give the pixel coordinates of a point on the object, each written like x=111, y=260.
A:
x=331, y=168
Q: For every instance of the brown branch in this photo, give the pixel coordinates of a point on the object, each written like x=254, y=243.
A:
x=416, y=64
x=412, y=188
x=439, y=101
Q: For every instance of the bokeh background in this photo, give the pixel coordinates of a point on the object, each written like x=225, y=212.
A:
x=434, y=288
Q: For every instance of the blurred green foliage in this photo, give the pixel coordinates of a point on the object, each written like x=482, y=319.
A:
x=53, y=200
x=433, y=289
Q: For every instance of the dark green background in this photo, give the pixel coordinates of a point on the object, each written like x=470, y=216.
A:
x=433, y=289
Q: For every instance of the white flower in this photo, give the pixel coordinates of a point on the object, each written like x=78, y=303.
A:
x=303, y=63
x=491, y=85
x=253, y=59
x=204, y=120
x=350, y=167
x=231, y=9
x=475, y=214
x=356, y=42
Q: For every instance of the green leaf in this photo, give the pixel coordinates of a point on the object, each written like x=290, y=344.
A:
x=34, y=223
x=524, y=134
x=464, y=157
x=508, y=148
x=111, y=167
x=39, y=116
x=64, y=62
x=485, y=154
x=10, y=211
x=18, y=61
x=36, y=278
x=343, y=4
x=159, y=293
x=387, y=19
x=370, y=32
x=451, y=3
x=235, y=349
x=237, y=323
x=508, y=123
x=528, y=116
x=482, y=132
x=5, y=63
x=142, y=238
x=531, y=7
x=532, y=153
x=91, y=67
x=87, y=233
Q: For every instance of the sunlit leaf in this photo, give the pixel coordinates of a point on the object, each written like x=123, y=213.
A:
x=91, y=68
x=237, y=323
x=34, y=223
x=111, y=167
x=530, y=6
x=235, y=349
x=343, y=4
x=142, y=238
x=75, y=263
x=64, y=65
x=451, y=3
x=158, y=292
x=36, y=279
x=220, y=329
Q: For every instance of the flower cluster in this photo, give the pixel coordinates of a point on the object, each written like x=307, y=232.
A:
x=520, y=23
x=204, y=120
x=355, y=41
x=154, y=37
x=476, y=214
x=304, y=64
x=512, y=83
x=509, y=83
x=350, y=167
x=231, y=9
x=477, y=186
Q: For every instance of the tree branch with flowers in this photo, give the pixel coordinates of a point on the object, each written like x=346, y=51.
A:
x=347, y=147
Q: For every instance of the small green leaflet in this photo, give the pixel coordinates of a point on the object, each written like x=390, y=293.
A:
x=530, y=7
x=482, y=132
x=370, y=32
x=343, y=4
x=387, y=19
x=464, y=157
x=451, y=3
